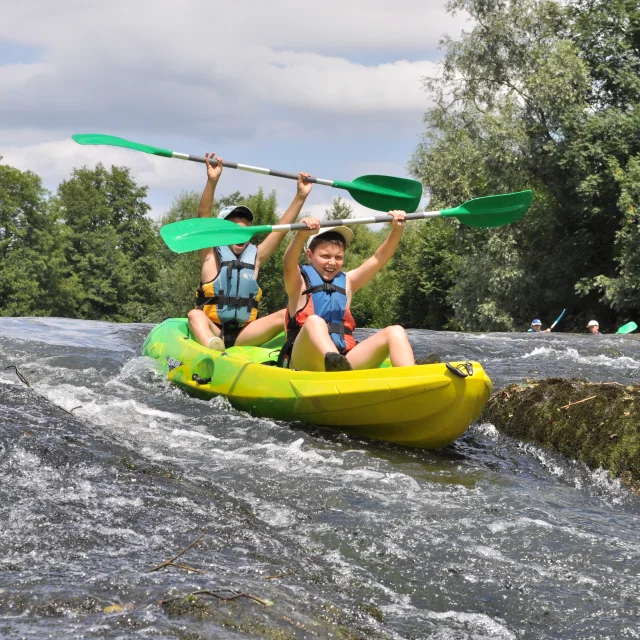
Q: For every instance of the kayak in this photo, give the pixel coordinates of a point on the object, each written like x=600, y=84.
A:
x=426, y=406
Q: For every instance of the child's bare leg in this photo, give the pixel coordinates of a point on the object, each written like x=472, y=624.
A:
x=391, y=341
x=311, y=345
x=261, y=330
x=201, y=327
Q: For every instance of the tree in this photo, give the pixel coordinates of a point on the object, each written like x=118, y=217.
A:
x=111, y=246
x=180, y=272
x=340, y=210
x=533, y=97
x=33, y=281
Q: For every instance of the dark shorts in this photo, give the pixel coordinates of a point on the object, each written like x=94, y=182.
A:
x=229, y=333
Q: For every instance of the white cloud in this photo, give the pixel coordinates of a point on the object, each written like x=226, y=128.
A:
x=55, y=160
x=220, y=65
x=222, y=28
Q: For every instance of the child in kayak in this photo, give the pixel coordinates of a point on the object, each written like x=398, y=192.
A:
x=319, y=323
x=593, y=327
x=536, y=327
x=229, y=294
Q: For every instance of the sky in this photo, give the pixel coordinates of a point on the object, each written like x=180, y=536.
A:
x=332, y=88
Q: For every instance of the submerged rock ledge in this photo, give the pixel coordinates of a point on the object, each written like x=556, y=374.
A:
x=596, y=423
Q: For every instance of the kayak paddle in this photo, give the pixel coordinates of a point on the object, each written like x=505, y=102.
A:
x=201, y=233
x=382, y=193
x=630, y=327
x=557, y=319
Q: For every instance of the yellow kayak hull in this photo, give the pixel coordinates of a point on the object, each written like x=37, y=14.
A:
x=422, y=406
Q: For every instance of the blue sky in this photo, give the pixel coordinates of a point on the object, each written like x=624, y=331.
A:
x=333, y=88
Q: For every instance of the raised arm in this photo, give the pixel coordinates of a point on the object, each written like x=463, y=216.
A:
x=292, y=278
x=206, y=200
x=359, y=277
x=268, y=246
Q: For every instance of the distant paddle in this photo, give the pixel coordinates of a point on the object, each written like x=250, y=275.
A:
x=630, y=327
x=557, y=319
x=381, y=193
x=200, y=233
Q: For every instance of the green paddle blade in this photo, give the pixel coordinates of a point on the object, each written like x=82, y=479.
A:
x=98, y=138
x=201, y=233
x=492, y=211
x=630, y=327
x=384, y=193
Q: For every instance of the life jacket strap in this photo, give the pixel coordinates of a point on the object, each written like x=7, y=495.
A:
x=339, y=328
x=221, y=300
x=325, y=286
x=237, y=264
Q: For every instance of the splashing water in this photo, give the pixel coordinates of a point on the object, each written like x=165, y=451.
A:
x=489, y=538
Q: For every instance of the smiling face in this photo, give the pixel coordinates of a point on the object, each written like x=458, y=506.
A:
x=327, y=258
x=237, y=249
x=594, y=328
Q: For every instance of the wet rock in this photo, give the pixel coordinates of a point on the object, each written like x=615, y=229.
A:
x=596, y=423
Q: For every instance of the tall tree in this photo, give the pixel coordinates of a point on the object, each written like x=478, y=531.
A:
x=532, y=97
x=111, y=245
x=33, y=278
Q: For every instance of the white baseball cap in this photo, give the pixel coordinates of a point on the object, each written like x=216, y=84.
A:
x=345, y=232
x=593, y=323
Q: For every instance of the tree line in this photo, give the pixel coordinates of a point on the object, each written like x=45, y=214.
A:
x=537, y=94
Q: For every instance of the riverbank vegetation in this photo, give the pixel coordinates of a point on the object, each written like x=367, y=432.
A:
x=536, y=94
x=596, y=423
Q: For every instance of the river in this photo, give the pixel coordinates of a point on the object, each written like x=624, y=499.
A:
x=488, y=538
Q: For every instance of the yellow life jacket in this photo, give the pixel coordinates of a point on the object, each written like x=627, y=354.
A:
x=233, y=295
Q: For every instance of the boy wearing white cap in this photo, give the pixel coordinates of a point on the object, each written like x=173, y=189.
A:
x=593, y=327
x=319, y=323
x=229, y=294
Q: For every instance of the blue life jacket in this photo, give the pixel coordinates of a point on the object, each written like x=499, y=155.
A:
x=329, y=301
x=233, y=295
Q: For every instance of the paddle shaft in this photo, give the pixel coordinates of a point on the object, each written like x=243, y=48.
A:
x=251, y=168
x=557, y=319
x=353, y=221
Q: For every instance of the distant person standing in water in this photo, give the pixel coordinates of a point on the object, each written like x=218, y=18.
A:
x=594, y=328
x=536, y=327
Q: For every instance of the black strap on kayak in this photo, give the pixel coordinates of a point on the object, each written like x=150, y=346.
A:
x=462, y=370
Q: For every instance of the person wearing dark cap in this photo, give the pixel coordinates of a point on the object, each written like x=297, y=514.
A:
x=228, y=296
x=536, y=327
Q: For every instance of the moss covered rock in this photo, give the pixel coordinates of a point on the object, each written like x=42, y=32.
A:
x=596, y=423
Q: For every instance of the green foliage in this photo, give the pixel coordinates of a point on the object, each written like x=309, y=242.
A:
x=622, y=292
x=180, y=272
x=340, y=210
x=33, y=278
x=110, y=246
x=540, y=95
